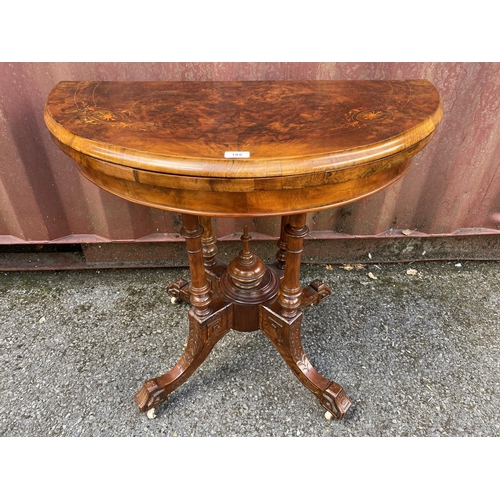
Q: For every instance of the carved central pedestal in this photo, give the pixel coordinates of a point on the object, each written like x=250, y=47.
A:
x=245, y=295
x=247, y=283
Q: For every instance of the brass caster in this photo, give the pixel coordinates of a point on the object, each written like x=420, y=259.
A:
x=328, y=415
x=174, y=300
x=151, y=413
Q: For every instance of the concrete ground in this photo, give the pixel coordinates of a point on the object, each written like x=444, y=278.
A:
x=418, y=354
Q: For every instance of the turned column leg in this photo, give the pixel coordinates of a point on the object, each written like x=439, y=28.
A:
x=281, y=253
x=213, y=267
x=293, y=230
x=179, y=289
x=208, y=242
x=289, y=295
x=199, y=288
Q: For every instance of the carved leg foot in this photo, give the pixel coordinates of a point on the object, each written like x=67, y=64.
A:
x=204, y=333
x=335, y=400
x=315, y=293
x=179, y=290
x=284, y=333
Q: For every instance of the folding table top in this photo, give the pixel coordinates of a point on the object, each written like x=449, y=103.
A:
x=242, y=129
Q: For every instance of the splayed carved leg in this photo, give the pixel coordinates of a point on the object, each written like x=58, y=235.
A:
x=204, y=333
x=284, y=333
x=209, y=321
x=281, y=318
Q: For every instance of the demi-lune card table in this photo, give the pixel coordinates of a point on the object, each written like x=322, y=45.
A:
x=240, y=149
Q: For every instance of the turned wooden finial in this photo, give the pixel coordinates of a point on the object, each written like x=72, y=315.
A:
x=248, y=282
x=246, y=258
x=246, y=270
x=245, y=238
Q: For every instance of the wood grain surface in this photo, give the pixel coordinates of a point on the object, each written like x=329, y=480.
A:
x=312, y=144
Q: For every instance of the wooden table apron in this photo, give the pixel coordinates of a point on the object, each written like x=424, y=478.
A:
x=240, y=149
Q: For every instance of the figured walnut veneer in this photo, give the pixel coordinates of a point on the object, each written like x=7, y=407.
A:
x=312, y=145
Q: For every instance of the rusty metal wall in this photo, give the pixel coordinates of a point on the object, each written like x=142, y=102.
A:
x=453, y=185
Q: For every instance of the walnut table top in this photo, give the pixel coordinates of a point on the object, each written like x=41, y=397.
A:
x=307, y=145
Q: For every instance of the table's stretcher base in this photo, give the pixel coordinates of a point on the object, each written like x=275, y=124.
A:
x=282, y=327
x=283, y=333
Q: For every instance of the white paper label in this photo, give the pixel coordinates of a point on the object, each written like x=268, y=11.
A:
x=237, y=154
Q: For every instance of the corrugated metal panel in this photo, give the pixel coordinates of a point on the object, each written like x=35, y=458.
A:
x=453, y=184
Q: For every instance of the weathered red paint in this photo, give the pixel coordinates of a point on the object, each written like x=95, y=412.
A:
x=453, y=184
